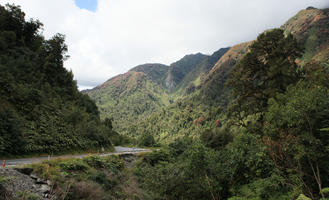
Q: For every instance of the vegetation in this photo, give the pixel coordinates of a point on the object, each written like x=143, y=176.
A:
x=92, y=177
x=275, y=150
x=253, y=124
x=41, y=109
x=131, y=98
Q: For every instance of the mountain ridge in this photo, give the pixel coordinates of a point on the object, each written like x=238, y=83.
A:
x=198, y=81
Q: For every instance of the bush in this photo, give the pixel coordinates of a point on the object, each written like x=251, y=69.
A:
x=156, y=156
x=112, y=163
x=146, y=140
x=216, y=138
x=85, y=191
x=74, y=165
x=102, y=179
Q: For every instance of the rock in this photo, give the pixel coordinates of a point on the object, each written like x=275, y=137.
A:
x=33, y=176
x=20, y=182
x=310, y=8
x=26, y=171
x=41, y=181
x=49, y=183
x=44, y=188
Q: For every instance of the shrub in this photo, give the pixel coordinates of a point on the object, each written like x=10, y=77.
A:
x=74, y=165
x=112, y=163
x=146, y=140
x=27, y=195
x=85, y=191
x=102, y=179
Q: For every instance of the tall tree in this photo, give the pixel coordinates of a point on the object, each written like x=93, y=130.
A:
x=266, y=70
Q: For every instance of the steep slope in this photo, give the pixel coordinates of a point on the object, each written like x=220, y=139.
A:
x=156, y=72
x=129, y=97
x=186, y=74
x=205, y=106
x=213, y=89
x=196, y=76
x=178, y=70
x=196, y=83
x=311, y=29
x=41, y=109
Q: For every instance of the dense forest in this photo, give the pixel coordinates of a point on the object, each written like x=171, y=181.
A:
x=274, y=143
x=41, y=109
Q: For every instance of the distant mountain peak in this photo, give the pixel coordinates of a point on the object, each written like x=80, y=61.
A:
x=154, y=71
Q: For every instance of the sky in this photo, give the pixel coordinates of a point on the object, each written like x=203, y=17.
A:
x=87, y=4
x=108, y=37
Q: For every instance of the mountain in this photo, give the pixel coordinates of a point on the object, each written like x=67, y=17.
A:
x=310, y=28
x=156, y=72
x=131, y=97
x=212, y=88
x=195, y=85
x=178, y=70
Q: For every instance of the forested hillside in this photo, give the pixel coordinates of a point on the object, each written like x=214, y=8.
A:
x=41, y=109
x=272, y=141
x=130, y=98
x=195, y=85
x=206, y=107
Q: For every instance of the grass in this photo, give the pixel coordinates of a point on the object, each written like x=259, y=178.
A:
x=27, y=195
x=4, y=179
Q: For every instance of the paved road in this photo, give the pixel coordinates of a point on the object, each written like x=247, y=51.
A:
x=118, y=150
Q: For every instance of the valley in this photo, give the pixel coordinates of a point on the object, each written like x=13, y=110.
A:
x=249, y=121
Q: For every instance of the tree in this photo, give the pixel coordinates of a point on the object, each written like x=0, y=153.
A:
x=266, y=70
x=297, y=134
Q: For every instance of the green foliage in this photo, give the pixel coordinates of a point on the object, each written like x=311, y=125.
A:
x=27, y=195
x=325, y=191
x=266, y=70
x=111, y=163
x=296, y=133
x=216, y=138
x=41, y=109
x=139, y=95
x=92, y=177
x=73, y=165
x=102, y=179
x=279, y=149
x=146, y=140
x=127, y=99
x=179, y=146
x=4, y=179
x=11, y=136
x=156, y=157
x=303, y=197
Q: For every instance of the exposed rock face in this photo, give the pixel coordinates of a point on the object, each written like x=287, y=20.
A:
x=170, y=84
x=20, y=181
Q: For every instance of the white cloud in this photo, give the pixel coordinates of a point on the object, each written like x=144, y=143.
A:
x=125, y=33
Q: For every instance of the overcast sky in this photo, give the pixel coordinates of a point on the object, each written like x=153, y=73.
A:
x=116, y=35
